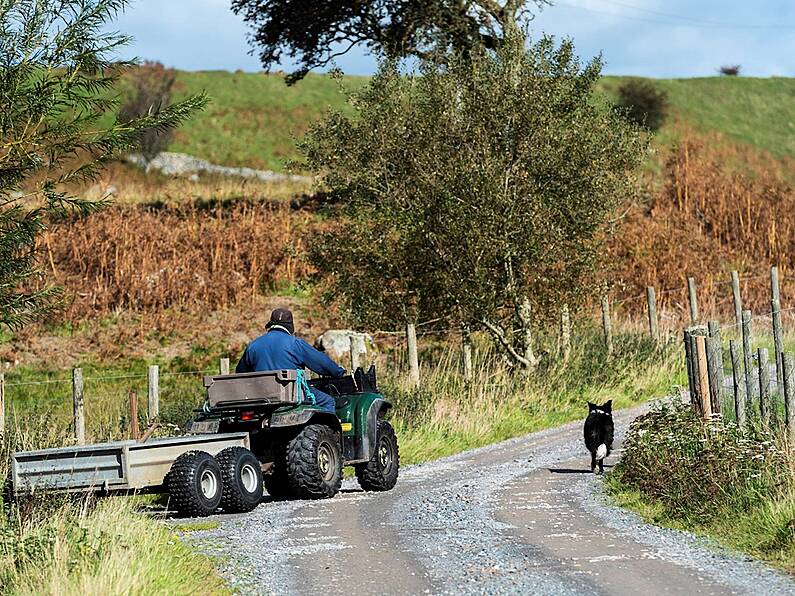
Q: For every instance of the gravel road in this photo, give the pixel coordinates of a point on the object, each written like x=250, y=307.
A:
x=522, y=516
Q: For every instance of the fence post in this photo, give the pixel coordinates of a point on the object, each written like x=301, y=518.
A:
x=2, y=403
x=789, y=396
x=223, y=366
x=739, y=383
x=747, y=355
x=778, y=336
x=565, y=332
x=414, y=364
x=703, y=377
x=738, y=301
x=715, y=367
x=153, y=410
x=764, y=388
x=690, y=363
x=354, y=347
x=651, y=301
x=134, y=415
x=466, y=351
x=78, y=405
x=691, y=293
x=606, y=324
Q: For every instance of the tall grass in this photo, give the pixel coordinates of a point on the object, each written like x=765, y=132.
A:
x=85, y=549
x=447, y=414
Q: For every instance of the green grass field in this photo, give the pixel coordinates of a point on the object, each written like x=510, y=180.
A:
x=254, y=118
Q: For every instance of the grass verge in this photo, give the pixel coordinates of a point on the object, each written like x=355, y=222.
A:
x=107, y=548
x=711, y=479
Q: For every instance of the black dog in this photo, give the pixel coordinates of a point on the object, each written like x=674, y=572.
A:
x=599, y=433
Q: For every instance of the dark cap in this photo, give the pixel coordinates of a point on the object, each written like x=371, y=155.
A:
x=283, y=318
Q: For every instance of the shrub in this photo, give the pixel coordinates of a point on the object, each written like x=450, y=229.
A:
x=150, y=91
x=642, y=103
x=695, y=469
x=730, y=70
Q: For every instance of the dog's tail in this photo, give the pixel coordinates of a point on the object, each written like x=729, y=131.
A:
x=601, y=451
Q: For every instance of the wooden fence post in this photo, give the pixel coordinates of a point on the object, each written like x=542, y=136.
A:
x=414, y=363
x=651, y=301
x=778, y=335
x=764, y=388
x=153, y=410
x=354, y=348
x=690, y=359
x=223, y=366
x=608, y=330
x=78, y=405
x=738, y=301
x=134, y=415
x=2, y=403
x=739, y=382
x=565, y=332
x=789, y=396
x=691, y=294
x=703, y=377
x=466, y=351
x=748, y=356
x=715, y=367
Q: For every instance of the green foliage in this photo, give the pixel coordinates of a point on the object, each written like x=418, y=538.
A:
x=476, y=190
x=57, y=74
x=421, y=28
x=642, y=103
x=698, y=470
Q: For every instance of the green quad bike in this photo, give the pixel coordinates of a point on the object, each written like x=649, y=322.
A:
x=299, y=448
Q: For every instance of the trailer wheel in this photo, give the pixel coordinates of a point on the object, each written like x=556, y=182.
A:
x=242, y=480
x=195, y=484
x=314, y=462
x=381, y=472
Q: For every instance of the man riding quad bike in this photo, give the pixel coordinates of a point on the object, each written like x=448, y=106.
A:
x=301, y=431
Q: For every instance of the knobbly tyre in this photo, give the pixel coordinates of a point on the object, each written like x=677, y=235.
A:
x=255, y=430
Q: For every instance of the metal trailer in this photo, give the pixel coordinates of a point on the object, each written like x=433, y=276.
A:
x=119, y=466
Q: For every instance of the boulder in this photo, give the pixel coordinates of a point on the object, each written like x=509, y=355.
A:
x=337, y=342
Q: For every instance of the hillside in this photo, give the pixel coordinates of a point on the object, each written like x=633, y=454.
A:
x=254, y=118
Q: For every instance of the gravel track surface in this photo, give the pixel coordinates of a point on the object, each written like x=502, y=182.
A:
x=522, y=516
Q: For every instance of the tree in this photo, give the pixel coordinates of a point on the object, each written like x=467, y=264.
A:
x=150, y=92
x=395, y=27
x=730, y=70
x=479, y=191
x=642, y=103
x=57, y=80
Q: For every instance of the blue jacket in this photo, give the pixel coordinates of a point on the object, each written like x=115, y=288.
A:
x=278, y=350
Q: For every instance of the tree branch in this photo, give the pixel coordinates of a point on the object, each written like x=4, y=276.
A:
x=499, y=334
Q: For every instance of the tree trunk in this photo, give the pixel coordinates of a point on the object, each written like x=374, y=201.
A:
x=524, y=312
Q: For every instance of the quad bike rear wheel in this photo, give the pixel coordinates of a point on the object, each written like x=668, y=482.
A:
x=381, y=472
x=314, y=462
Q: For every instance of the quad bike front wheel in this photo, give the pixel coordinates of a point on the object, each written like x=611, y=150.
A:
x=381, y=472
x=314, y=462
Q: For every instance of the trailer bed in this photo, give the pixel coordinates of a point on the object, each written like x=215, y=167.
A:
x=108, y=467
